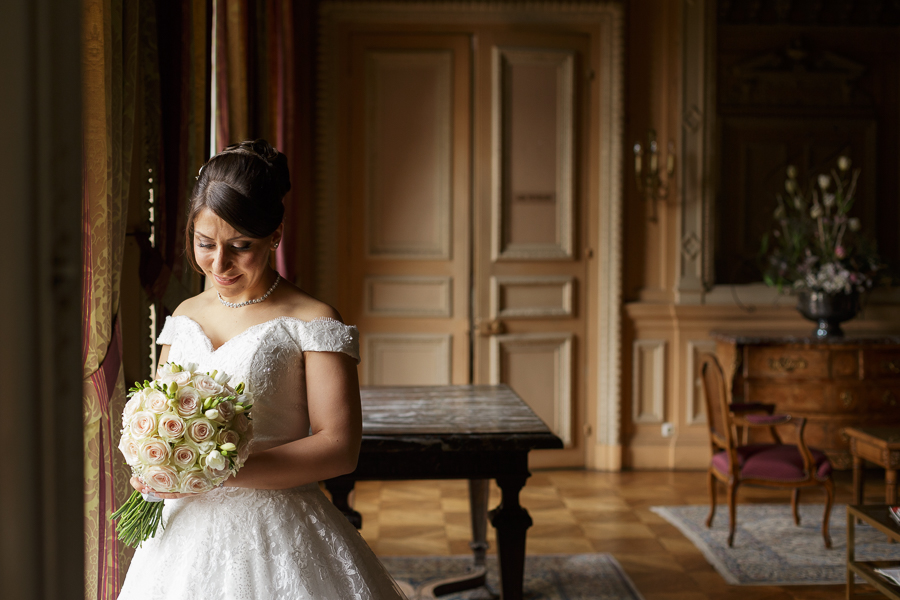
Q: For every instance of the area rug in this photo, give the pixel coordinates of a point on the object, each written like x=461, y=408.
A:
x=770, y=550
x=547, y=577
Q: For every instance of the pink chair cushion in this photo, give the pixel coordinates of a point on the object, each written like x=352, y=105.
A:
x=775, y=462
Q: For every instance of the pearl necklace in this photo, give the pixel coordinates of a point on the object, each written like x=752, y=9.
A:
x=249, y=302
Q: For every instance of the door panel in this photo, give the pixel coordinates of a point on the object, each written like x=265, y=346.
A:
x=407, y=156
x=529, y=270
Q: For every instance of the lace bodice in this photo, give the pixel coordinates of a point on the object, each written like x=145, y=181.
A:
x=268, y=358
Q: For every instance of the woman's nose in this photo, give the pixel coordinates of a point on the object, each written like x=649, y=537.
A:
x=222, y=261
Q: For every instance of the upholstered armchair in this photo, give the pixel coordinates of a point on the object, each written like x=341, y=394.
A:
x=775, y=465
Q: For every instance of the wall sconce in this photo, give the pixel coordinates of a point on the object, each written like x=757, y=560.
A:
x=649, y=183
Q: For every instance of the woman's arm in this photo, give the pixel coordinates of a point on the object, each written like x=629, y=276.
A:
x=335, y=418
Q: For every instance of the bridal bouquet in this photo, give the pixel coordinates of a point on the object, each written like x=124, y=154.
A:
x=185, y=431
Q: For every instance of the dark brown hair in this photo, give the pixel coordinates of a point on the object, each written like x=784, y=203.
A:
x=243, y=185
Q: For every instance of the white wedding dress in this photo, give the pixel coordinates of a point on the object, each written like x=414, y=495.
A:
x=245, y=544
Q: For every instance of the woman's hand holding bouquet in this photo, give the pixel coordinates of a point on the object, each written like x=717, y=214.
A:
x=183, y=433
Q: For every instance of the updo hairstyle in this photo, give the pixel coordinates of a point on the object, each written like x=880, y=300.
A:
x=243, y=185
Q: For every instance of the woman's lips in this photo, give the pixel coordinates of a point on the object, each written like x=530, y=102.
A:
x=223, y=281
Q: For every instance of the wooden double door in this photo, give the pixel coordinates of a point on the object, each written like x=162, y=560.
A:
x=462, y=238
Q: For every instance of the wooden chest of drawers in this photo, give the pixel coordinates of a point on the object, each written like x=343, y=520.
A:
x=844, y=382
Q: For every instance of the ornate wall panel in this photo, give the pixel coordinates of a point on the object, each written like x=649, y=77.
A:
x=533, y=154
x=407, y=359
x=408, y=146
x=531, y=296
x=648, y=381
x=408, y=296
x=538, y=366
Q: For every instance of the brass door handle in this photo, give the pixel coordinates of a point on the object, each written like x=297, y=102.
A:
x=494, y=327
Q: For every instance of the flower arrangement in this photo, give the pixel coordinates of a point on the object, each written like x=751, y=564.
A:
x=186, y=432
x=814, y=245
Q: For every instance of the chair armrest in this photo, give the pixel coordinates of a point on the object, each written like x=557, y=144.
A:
x=751, y=407
x=761, y=420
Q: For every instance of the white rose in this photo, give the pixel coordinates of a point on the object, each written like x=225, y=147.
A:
x=200, y=430
x=206, y=386
x=132, y=406
x=194, y=482
x=181, y=378
x=143, y=424
x=129, y=449
x=226, y=410
x=171, y=427
x=156, y=402
x=184, y=456
x=205, y=447
x=161, y=478
x=215, y=461
x=188, y=402
x=165, y=370
x=153, y=452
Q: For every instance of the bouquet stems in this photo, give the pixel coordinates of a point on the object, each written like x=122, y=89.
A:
x=137, y=519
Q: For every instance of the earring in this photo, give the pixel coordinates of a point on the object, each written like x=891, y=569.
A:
x=275, y=247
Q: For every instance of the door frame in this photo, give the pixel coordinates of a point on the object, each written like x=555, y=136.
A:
x=604, y=22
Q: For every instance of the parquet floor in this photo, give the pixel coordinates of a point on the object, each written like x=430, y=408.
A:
x=582, y=511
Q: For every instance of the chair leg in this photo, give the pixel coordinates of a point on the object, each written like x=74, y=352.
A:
x=732, y=510
x=829, y=500
x=795, y=505
x=712, y=498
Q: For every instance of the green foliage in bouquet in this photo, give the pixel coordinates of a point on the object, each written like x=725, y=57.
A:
x=814, y=244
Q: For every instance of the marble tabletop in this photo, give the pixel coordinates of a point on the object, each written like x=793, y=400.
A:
x=470, y=417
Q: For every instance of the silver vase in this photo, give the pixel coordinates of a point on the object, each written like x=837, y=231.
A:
x=828, y=310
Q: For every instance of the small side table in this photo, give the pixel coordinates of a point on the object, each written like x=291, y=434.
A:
x=881, y=445
x=877, y=516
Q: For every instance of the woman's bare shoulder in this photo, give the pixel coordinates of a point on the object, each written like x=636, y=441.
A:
x=195, y=305
x=307, y=308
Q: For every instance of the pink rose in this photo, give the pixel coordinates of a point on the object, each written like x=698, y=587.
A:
x=184, y=456
x=161, y=478
x=143, y=424
x=194, y=482
x=228, y=436
x=201, y=430
x=188, y=402
x=153, y=452
x=156, y=402
x=171, y=427
x=226, y=410
x=840, y=252
x=241, y=423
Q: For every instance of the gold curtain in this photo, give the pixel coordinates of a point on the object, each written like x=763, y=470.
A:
x=109, y=75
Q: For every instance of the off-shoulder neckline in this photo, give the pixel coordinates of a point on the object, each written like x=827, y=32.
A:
x=209, y=342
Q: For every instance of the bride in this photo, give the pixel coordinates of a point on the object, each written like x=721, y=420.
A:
x=268, y=532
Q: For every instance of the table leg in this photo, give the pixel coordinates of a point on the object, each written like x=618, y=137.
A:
x=340, y=495
x=890, y=486
x=479, y=491
x=858, y=478
x=511, y=521
x=851, y=554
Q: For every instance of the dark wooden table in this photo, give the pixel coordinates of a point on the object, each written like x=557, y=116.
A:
x=877, y=516
x=881, y=445
x=476, y=433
